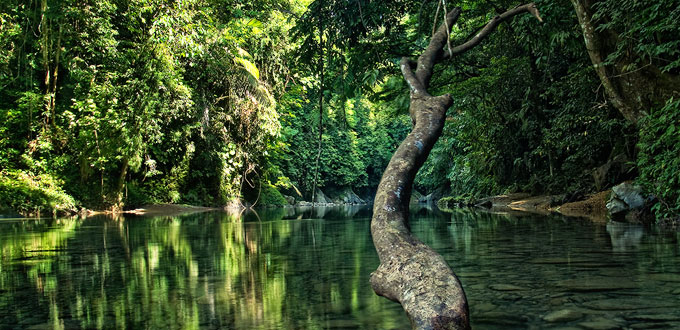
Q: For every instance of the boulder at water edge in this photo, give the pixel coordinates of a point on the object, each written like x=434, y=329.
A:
x=627, y=202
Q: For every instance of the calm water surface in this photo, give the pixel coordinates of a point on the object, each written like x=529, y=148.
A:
x=309, y=269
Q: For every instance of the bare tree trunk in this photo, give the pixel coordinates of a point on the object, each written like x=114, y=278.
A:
x=595, y=52
x=121, y=185
x=51, y=56
x=44, y=29
x=632, y=93
x=52, y=93
x=410, y=272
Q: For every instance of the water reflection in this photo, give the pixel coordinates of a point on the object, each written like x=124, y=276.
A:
x=625, y=236
x=542, y=272
x=270, y=269
x=308, y=268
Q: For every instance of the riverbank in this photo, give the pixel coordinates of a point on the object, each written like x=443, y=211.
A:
x=169, y=210
x=592, y=207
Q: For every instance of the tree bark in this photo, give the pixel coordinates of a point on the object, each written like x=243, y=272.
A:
x=51, y=57
x=411, y=272
x=44, y=29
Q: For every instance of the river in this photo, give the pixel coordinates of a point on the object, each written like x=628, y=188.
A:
x=309, y=269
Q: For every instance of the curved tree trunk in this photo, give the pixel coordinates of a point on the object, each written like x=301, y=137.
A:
x=632, y=93
x=410, y=272
x=595, y=52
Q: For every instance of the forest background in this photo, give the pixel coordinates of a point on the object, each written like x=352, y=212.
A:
x=111, y=104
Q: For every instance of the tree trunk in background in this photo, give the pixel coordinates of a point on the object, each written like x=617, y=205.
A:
x=410, y=272
x=318, y=152
x=120, y=186
x=634, y=92
x=51, y=54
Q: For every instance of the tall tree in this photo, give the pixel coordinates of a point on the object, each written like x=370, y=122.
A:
x=631, y=45
x=411, y=272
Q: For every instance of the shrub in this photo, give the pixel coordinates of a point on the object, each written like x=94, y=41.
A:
x=30, y=194
x=451, y=202
x=269, y=196
x=658, y=160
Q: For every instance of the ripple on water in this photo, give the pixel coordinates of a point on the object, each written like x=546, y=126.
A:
x=564, y=315
x=662, y=317
x=530, y=272
x=665, y=277
x=595, y=284
x=600, y=323
x=626, y=303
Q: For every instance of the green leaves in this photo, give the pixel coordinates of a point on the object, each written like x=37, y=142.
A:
x=32, y=195
x=658, y=159
x=248, y=66
x=648, y=33
x=198, y=98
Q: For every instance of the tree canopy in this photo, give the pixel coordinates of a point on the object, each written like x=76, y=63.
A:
x=118, y=103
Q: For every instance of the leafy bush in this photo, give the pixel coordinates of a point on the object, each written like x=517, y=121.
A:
x=136, y=196
x=644, y=30
x=30, y=194
x=269, y=196
x=658, y=160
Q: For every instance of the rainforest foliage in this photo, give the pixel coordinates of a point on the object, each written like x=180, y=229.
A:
x=118, y=103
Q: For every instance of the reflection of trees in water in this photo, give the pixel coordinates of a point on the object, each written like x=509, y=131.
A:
x=671, y=238
x=265, y=270
x=540, y=253
x=183, y=272
x=33, y=253
x=345, y=212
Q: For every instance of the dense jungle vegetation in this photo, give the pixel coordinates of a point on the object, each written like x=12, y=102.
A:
x=119, y=103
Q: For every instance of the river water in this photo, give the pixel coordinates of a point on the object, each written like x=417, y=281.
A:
x=309, y=269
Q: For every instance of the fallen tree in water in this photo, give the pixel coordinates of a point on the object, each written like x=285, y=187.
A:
x=410, y=272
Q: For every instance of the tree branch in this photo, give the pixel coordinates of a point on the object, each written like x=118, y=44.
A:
x=434, y=50
x=415, y=85
x=492, y=24
x=593, y=46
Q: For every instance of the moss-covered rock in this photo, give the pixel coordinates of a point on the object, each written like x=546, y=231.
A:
x=344, y=195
